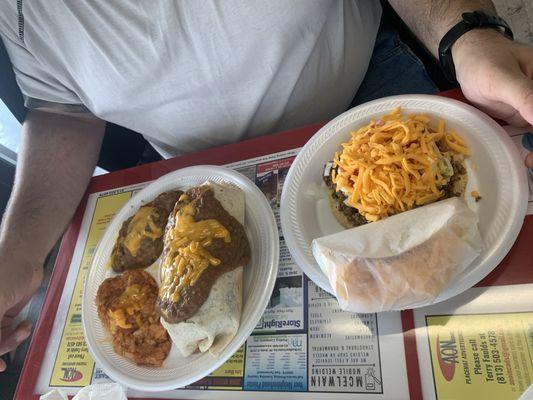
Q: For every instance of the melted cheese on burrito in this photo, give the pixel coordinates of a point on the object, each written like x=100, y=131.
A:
x=188, y=257
x=141, y=226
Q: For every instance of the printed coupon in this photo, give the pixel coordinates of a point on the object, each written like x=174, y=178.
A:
x=485, y=356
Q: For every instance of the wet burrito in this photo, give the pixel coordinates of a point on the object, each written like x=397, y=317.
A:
x=205, y=249
x=140, y=240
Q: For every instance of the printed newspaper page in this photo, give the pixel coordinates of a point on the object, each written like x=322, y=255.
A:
x=303, y=342
x=478, y=344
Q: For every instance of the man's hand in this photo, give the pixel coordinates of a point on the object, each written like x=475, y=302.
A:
x=496, y=75
x=57, y=157
x=15, y=292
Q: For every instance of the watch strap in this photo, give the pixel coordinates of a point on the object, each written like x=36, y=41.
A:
x=472, y=20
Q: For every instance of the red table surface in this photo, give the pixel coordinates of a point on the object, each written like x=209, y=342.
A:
x=516, y=267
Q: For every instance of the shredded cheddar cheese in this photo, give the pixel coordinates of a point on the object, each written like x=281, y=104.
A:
x=475, y=194
x=129, y=302
x=390, y=165
x=188, y=257
x=141, y=226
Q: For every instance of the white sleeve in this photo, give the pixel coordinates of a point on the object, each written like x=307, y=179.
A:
x=40, y=88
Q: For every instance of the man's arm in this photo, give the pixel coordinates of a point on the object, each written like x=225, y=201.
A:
x=429, y=20
x=495, y=74
x=57, y=157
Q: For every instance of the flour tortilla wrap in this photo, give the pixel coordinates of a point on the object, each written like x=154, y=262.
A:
x=216, y=322
x=400, y=262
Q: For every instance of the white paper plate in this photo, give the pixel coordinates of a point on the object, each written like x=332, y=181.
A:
x=259, y=277
x=495, y=170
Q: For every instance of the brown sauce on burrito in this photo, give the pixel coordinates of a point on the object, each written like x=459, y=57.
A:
x=140, y=240
x=202, y=242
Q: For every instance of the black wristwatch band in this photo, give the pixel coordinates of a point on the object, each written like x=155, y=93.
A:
x=471, y=20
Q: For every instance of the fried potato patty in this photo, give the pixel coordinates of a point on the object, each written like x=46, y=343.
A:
x=126, y=307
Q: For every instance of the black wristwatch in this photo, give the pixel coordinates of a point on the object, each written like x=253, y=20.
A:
x=471, y=20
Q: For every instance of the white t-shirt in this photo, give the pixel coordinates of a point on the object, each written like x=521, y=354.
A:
x=192, y=74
